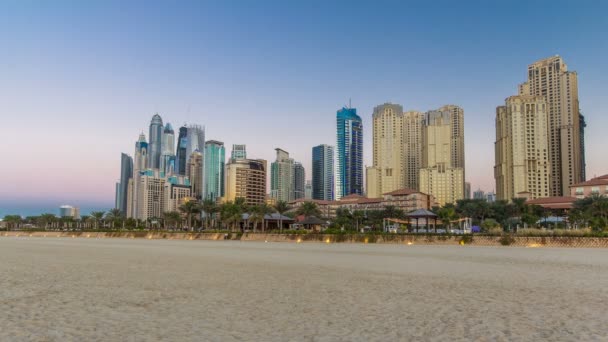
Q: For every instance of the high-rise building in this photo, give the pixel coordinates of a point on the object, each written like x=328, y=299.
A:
x=196, y=140
x=413, y=125
x=150, y=196
x=126, y=172
x=156, y=132
x=180, y=153
x=281, y=177
x=551, y=79
x=246, y=178
x=479, y=194
x=582, y=125
x=308, y=190
x=195, y=174
x=299, y=180
x=239, y=152
x=467, y=190
x=349, y=154
x=522, y=167
x=215, y=161
x=140, y=164
x=167, y=157
x=323, y=172
x=442, y=172
x=387, y=172
x=177, y=191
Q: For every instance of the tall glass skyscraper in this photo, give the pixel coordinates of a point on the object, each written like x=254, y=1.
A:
x=299, y=181
x=323, y=172
x=156, y=135
x=349, y=166
x=126, y=172
x=180, y=153
x=215, y=160
x=167, y=157
x=238, y=152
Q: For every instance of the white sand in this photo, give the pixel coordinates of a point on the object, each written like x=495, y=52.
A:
x=142, y=290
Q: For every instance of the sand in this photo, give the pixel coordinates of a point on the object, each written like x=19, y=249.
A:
x=54, y=289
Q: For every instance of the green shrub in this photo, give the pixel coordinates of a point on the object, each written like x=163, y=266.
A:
x=506, y=240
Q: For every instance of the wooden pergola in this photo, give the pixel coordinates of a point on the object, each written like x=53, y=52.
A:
x=425, y=214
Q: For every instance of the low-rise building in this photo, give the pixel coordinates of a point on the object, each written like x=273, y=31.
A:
x=594, y=186
x=404, y=199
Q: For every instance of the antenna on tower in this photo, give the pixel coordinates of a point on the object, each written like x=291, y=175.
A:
x=350, y=106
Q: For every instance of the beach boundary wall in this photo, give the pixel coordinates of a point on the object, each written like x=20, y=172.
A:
x=475, y=240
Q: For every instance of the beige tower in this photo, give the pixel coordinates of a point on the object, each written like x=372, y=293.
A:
x=413, y=123
x=195, y=173
x=246, y=178
x=551, y=79
x=386, y=174
x=521, y=149
x=442, y=172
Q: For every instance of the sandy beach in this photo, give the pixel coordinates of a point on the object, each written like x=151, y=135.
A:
x=54, y=289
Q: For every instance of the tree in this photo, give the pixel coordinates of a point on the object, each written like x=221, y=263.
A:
x=447, y=214
x=209, y=207
x=113, y=216
x=231, y=213
x=281, y=207
x=189, y=208
x=12, y=221
x=97, y=216
x=309, y=209
x=47, y=220
x=256, y=215
x=172, y=218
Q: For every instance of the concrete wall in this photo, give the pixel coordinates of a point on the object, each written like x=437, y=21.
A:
x=581, y=242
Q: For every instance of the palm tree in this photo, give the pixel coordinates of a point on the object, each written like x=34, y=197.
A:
x=114, y=215
x=358, y=215
x=231, y=213
x=281, y=207
x=256, y=215
x=189, y=208
x=97, y=216
x=309, y=209
x=172, y=218
x=47, y=219
x=265, y=209
x=12, y=221
x=209, y=207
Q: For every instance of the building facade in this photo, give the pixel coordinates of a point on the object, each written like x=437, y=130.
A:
x=349, y=153
x=323, y=172
x=281, y=177
x=413, y=125
x=69, y=211
x=246, y=178
x=522, y=148
x=126, y=172
x=442, y=173
x=167, y=157
x=597, y=186
x=156, y=132
x=387, y=172
x=195, y=174
x=180, y=153
x=299, y=181
x=238, y=152
x=551, y=79
x=215, y=163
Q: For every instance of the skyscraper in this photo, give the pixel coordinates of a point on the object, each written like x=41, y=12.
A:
x=387, y=172
x=522, y=167
x=140, y=164
x=195, y=174
x=281, y=177
x=413, y=125
x=126, y=172
x=467, y=190
x=551, y=79
x=196, y=140
x=180, y=153
x=299, y=181
x=582, y=125
x=349, y=166
x=246, y=178
x=323, y=172
x=167, y=158
x=308, y=190
x=239, y=152
x=214, y=169
x=156, y=132
x=442, y=173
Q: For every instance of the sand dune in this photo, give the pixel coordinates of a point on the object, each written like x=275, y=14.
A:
x=142, y=290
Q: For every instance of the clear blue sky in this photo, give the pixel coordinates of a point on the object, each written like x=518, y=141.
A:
x=79, y=80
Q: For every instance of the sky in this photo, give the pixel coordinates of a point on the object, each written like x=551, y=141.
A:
x=79, y=80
